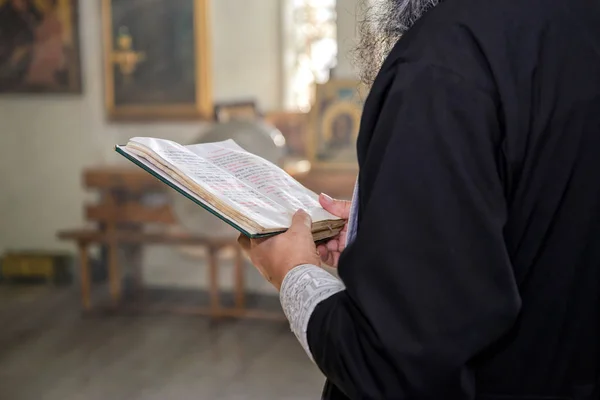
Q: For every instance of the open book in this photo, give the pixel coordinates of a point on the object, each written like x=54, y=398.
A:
x=248, y=192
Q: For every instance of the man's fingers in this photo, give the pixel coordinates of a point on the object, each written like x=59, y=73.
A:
x=339, y=208
x=323, y=252
x=244, y=242
x=336, y=258
x=333, y=245
x=257, y=242
x=328, y=257
x=301, y=223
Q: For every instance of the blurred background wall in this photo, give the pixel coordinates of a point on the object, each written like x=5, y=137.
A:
x=46, y=140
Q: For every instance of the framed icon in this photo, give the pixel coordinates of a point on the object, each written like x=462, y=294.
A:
x=334, y=124
x=157, y=59
x=39, y=46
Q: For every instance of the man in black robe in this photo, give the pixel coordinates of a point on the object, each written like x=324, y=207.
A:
x=472, y=266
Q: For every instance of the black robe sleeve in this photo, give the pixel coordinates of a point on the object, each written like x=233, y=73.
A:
x=429, y=283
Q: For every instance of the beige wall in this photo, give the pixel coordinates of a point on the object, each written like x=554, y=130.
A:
x=45, y=141
x=347, y=37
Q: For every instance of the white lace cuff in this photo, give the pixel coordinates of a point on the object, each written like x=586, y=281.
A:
x=301, y=290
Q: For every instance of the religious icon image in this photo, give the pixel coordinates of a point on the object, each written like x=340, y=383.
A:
x=342, y=130
x=39, y=46
x=157, y=59
x=335, y=120
x=124, y=57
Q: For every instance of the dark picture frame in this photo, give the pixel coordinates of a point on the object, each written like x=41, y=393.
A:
x=40, y=47
x=157, y=60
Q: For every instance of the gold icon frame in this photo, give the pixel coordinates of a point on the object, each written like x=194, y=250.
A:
x=202, y=109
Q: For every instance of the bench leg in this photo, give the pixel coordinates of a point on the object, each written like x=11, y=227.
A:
x=240, y=293
x=135, y=259
x=84, y=265
x=114, y=273
x=215, y=303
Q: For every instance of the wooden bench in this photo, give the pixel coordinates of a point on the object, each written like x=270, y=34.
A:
x=123, y=217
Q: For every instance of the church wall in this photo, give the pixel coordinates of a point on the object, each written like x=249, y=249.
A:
x=347, y=37
x=46, y=141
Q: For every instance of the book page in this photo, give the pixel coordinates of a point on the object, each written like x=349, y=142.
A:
x=220, y=183
x=264, y=176
x=139, y=157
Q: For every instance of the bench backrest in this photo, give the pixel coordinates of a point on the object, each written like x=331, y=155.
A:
x=126, y=196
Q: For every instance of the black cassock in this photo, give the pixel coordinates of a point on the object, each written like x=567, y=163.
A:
x=475, y=270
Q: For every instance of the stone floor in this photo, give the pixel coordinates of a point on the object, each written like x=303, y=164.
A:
x=49, y=351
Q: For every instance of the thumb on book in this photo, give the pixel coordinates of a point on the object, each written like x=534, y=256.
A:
x=339, y=208
x=301, y=221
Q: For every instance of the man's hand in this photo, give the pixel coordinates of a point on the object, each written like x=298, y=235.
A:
x=330, y=251
x=276, y=256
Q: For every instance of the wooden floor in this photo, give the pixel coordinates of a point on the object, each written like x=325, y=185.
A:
x=49, y=351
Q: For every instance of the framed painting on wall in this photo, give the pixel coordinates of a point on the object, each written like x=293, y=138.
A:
x=157, y=59
x=39, y=46
x=334, y=123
